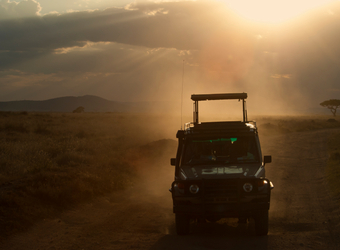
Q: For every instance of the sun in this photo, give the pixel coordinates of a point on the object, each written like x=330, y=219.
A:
x=273, y=11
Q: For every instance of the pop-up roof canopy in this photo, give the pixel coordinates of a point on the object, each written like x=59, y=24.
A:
x=207, y=97
x=228, y=96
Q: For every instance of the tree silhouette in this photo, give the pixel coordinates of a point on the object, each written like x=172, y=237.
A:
x=332, y=105
x=79, y=110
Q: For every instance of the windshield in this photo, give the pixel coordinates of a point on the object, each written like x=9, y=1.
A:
x=221, y=151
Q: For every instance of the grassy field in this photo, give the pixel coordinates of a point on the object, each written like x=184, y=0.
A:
x=50, y=162
x=333, y=166
x=286, y=124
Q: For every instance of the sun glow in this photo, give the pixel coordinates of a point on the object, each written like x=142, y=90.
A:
x=273, y=11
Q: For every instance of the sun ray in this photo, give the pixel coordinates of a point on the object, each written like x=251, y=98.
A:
x=270, y=11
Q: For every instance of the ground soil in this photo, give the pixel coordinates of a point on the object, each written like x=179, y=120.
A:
x=303, y=214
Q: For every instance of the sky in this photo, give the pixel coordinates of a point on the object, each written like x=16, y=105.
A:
x=285, y=54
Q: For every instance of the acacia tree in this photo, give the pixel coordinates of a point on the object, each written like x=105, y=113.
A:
x=332, y=105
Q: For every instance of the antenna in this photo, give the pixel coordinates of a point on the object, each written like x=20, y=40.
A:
x=182, y=95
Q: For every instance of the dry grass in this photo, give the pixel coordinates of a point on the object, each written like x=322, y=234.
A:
x=333, y=166
x=52, y=161
x=286, y=124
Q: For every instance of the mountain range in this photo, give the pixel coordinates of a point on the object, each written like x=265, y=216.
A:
x=69, y=103
x=93, y=103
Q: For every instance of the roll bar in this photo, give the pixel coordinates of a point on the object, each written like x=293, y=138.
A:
x=226, y=96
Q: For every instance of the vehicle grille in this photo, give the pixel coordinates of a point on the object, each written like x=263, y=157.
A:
x=220, y=191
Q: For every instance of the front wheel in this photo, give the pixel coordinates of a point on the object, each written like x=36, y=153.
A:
x=261, y=223
x=182, y=224
x=213, y=219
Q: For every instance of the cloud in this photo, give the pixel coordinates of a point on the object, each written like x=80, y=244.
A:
x=111, y=70
x=181, y=25
x=26, y=8
x=17, y=79
x=61, y=6
x=88, y=46
x=222, y=45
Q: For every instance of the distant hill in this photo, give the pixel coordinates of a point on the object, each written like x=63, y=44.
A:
x=97, y=104
x=89, y=102
x=64, y=104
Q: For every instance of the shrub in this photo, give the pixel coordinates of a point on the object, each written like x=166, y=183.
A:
x=41, y=129
x=16, y=127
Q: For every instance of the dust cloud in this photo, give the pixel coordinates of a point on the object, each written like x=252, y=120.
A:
x=286, y=69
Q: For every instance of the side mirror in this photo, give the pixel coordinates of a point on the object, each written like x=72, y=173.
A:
x=173, y=161
x=267, y=159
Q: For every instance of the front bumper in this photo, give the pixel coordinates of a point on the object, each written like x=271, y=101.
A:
x=222, y=210
x=222, y=203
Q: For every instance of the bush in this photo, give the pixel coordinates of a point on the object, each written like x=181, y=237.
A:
x=50, y=162
x=333, y=165
x=16, y=127
x=41, y=129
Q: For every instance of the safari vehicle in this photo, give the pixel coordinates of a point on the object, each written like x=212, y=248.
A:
x=219, y=171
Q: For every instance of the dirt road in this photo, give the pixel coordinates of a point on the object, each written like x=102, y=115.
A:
x=302, y=216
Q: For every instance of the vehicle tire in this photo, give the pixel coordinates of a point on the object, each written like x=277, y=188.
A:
x=242, y=220
x=182, y=224
x=261, y=223
x=213, y=219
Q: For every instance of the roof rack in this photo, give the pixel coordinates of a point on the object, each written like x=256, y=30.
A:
x=229, y=96
x=225, y=96
x=218, y=128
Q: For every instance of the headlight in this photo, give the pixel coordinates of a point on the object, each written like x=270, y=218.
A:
x=194, y=189
x=179, y=185
x=261, y=183
x=248, y=187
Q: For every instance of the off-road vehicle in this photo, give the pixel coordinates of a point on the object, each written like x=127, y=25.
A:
x=219, y=171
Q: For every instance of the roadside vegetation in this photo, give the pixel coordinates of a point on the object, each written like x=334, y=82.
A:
x=271, y=125
x=50, y=162
x=333, y=165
